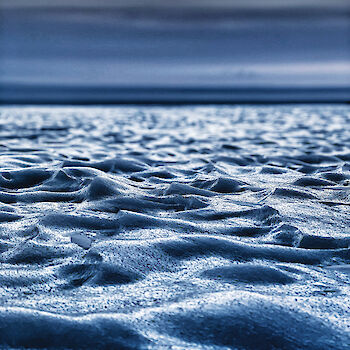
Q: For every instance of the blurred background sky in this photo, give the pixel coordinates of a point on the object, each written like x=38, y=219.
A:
x=100, y=50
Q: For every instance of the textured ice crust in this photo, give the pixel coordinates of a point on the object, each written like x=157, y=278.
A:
x=194, y=227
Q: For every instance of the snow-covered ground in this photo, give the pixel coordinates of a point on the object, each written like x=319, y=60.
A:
x=196, y=227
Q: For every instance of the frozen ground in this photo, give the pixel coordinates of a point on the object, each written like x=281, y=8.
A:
x=195, y=227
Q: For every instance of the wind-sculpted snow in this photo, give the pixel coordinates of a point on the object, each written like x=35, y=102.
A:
x=193, y=227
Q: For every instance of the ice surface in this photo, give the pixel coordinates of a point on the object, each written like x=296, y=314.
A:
x=197, y=227
x=81, y=240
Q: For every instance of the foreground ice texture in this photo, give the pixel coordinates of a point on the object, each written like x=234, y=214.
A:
x=194, y=227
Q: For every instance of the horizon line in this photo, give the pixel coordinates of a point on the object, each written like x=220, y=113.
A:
x=89, y=95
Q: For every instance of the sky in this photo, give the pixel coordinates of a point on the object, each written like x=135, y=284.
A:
x=167, y=44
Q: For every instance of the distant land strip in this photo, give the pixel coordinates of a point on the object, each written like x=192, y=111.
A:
x=85, y=95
